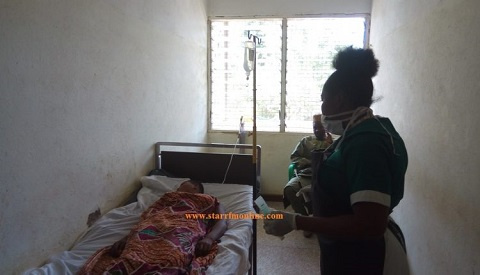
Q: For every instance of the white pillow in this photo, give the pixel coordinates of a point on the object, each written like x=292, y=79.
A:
x=162, y=184
x=235, y=197
x=153, y=187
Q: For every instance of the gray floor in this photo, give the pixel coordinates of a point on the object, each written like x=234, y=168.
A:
x=295, y=254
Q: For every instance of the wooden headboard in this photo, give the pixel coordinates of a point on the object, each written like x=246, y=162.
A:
x=209, y=166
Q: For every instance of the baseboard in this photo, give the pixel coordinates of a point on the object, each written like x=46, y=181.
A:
x=269, y=197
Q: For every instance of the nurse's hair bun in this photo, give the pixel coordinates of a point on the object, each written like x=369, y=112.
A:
x=356, y=61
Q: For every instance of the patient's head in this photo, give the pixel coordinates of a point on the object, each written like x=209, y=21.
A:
x=191, y=186
x=318, y=128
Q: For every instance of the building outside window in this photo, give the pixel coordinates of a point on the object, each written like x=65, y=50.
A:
x=294, y=59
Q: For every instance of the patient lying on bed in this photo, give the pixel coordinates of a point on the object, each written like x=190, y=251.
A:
x=164, y=240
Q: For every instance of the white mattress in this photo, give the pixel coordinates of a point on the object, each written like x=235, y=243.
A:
x=232, y=257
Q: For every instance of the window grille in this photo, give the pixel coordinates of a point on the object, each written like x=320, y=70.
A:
x=288, y=89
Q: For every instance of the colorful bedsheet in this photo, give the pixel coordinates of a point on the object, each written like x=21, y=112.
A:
x=163, y=242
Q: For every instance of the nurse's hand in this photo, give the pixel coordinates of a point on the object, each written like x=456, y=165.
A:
x=280, y=227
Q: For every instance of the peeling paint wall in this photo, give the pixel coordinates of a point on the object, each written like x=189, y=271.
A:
x=429, y=78
x=86, y=89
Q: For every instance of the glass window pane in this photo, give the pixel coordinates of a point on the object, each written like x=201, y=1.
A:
x=231, y=92
x=312, y=43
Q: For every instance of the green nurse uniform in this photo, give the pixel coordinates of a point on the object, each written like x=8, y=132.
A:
x=367, y=164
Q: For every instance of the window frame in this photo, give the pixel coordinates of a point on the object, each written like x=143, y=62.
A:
x=283, y=95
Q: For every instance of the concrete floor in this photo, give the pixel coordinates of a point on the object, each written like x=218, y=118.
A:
x=295, y=254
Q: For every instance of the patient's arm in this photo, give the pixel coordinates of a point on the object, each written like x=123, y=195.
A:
x=118, y=247
x=218, y=229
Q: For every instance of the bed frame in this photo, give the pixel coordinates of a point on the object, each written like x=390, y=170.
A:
x=209, y=165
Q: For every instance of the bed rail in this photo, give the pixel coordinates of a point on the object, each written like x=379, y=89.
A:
x=158, y=150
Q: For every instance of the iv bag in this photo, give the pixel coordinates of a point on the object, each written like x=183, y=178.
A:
x=249, y=57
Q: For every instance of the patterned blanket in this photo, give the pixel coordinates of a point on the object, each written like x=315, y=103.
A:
x=163, y=242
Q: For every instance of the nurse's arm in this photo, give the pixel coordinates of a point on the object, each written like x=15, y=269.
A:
x=368, y=221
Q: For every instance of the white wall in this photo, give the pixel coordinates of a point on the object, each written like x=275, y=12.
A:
x=285, y=7
x=86, y=88
x=277, y=147
x=429, y=77
x=276, y=150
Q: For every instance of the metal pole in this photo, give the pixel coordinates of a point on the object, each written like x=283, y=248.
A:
x=254, y=149
x=254, y=153
x=254, y=145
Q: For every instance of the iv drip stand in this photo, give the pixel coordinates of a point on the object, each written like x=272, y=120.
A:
x=256, y=41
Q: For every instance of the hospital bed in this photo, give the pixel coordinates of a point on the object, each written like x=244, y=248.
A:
x=230, y=176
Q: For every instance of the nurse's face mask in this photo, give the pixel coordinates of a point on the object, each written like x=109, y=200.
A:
x=334, y=123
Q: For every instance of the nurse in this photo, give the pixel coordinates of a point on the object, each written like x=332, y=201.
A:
x=359, y=181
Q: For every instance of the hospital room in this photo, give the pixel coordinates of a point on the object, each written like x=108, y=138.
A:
x=91, y=91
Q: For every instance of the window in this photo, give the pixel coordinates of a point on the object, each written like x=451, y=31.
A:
x=293, y=61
